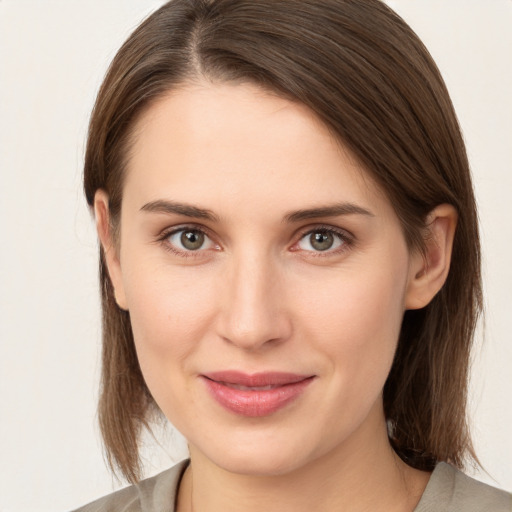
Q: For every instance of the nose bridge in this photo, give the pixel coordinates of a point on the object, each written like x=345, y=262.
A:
x=252, y=310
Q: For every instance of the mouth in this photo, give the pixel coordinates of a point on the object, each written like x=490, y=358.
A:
x=255, y=395
x=247, y=388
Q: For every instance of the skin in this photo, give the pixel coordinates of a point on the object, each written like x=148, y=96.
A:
x=258, y=296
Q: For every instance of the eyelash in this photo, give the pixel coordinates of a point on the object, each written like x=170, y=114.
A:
x=346, y=238
x=163, y=239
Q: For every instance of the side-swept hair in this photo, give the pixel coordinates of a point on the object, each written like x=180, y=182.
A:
x=361, y=69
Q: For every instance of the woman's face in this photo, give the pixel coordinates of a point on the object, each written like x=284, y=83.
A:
x=266, y=278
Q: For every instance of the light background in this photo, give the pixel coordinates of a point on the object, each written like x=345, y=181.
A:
x=53, y=55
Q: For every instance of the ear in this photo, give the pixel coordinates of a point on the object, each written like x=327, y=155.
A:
x=429, y=270
x=110, y=250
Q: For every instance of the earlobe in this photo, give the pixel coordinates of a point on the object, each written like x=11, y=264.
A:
x=110, y=251
x=429, y=270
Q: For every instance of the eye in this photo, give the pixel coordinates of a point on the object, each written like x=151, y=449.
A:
x=322, y=240
x=188, y=240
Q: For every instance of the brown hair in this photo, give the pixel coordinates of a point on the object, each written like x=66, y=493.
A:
x=368, y=77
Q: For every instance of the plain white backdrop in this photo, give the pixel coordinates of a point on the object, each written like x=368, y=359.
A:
x=53, y=55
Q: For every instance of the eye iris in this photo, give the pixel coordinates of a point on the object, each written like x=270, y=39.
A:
x=192, y=240
x=321, y=240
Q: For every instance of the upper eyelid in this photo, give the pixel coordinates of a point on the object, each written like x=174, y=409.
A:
x=325, y=227
x=302, y=231
x=166, y=232
x=162, y=238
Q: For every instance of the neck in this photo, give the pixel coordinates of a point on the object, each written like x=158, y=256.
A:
x=357, y=476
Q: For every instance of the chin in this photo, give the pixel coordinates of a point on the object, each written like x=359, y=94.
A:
x=258, y=465
x=271, y=458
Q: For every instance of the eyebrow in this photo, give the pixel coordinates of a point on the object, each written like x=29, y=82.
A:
x=327, y=211
x=172, y=207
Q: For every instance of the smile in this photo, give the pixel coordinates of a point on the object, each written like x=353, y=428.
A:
x=255, y=395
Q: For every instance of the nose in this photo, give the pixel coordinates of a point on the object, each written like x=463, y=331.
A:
x=253, y=309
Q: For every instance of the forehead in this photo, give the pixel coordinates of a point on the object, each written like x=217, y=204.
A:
x=217, y=142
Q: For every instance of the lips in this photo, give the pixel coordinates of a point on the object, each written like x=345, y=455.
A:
x=255, y=395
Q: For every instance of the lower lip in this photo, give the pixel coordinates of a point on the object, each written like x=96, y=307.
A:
x=256, y=403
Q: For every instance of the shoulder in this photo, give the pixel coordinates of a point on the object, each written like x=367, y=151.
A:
x=155, y=494
x=450, y=490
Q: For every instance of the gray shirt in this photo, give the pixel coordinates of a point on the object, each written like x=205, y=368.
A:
x=448, y=490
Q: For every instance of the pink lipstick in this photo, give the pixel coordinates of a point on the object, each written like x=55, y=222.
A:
x=255, y=395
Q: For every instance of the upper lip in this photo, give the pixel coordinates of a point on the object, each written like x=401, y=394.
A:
x=256, y=379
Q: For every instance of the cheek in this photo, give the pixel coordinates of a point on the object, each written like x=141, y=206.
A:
x=170, y=310
x=357, y=305
x=356, y=323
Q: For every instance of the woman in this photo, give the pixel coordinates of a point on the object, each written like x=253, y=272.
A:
x=290, y=261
